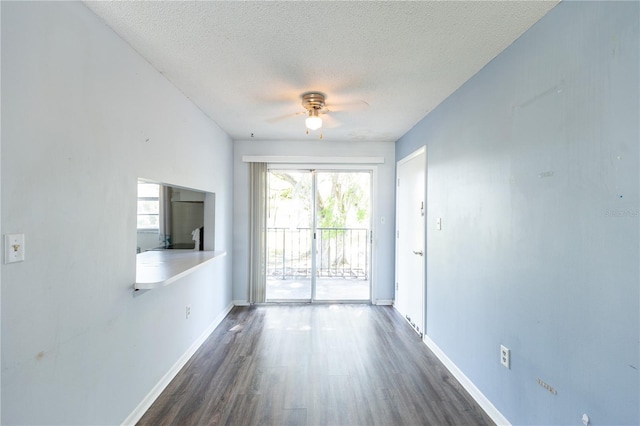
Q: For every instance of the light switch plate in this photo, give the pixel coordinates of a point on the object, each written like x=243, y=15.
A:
x=13, y=248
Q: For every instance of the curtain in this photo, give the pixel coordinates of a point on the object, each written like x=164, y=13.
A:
x=257, y=232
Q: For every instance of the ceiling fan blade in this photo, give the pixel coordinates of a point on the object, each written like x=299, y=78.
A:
x=347, y=106
x=329, y=122
x=284, y=117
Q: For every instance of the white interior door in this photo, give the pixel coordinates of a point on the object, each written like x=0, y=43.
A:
x=410, y=244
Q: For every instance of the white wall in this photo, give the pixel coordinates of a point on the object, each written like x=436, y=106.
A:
x=533, y=166
x=383, y=205
x=83, y=116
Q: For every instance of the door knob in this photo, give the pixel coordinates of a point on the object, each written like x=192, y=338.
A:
x=418, y=252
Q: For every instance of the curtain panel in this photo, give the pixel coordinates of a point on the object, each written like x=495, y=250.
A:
x=257, y=232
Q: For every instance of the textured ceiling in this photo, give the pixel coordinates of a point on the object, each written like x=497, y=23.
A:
x=382, y=65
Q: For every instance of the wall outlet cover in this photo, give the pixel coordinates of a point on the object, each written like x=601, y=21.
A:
x=13, y=248
x=505, y=356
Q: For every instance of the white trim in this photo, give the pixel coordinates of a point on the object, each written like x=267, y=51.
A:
x=155, y=392
x=475, y=393
x=384, y=302
x=285, y=159
x=241, y=303
x=414, y=154
x=323, y=167
x=373, y=226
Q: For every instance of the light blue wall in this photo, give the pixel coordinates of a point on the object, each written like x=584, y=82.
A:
x=533, y=167
x=83, y=116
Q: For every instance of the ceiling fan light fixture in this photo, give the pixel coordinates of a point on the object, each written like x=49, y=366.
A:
x=313, y=122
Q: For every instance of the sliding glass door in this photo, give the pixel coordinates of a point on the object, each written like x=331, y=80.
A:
x=318, y=235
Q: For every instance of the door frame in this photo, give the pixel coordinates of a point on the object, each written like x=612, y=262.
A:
x=342, y=167
x=423, y=299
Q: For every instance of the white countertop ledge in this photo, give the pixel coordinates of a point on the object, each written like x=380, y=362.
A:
x=155, y=269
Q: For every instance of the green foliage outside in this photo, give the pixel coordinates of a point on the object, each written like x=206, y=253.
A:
x=343, y=199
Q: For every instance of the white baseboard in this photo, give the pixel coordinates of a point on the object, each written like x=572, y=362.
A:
x=384, y=302
x=475, y=393
x=144, y=405
x=241, y=303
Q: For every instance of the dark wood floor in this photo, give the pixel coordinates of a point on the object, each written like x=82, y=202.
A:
x=314, y=365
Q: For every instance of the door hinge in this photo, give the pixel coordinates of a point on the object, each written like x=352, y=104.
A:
x=398, y=182
x=314, y=235
x=371, y=237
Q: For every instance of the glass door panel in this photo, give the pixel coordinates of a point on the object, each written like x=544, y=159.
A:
x=290, y=208
x=343, y=229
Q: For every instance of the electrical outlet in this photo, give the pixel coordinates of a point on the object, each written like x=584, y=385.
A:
x=505, y=356
x=188, y=311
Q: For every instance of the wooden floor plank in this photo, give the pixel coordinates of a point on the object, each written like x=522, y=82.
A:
x=314, y=365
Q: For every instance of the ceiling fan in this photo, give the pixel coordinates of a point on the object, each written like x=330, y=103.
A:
x=313, y=102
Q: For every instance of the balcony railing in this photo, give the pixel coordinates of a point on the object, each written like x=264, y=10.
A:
x=341, y=253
